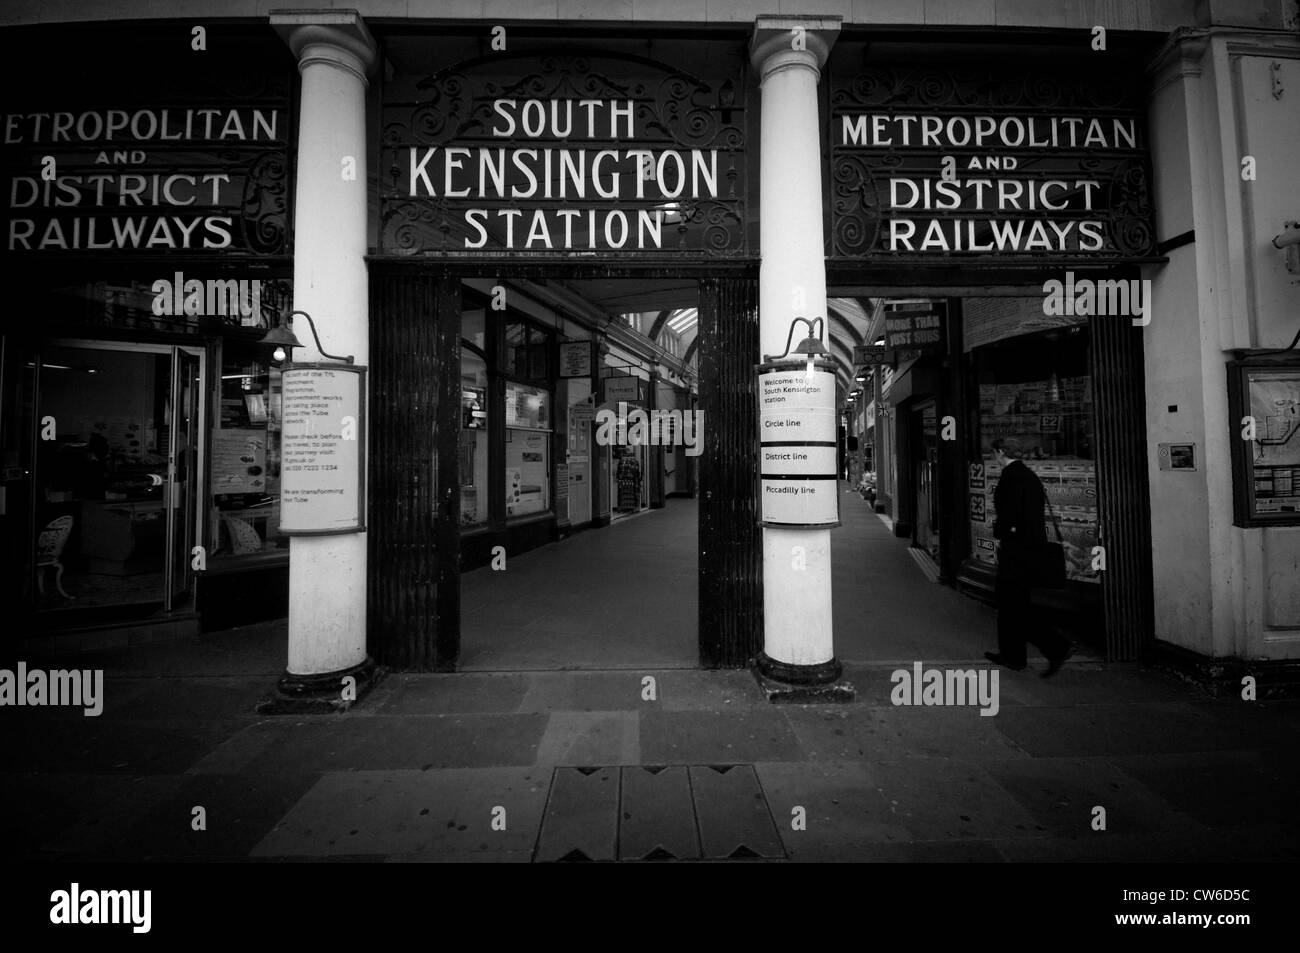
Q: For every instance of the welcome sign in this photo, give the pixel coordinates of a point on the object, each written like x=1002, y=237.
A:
x=952, y=163
x=580, y=154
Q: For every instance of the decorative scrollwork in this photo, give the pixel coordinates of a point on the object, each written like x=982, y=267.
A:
x=264, y=217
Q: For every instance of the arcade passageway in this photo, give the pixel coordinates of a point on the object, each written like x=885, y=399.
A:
x=625, y=597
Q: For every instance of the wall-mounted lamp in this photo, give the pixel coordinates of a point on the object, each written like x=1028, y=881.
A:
x=812, y=345
x=283, y=337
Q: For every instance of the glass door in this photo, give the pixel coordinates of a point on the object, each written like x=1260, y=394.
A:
x=114, y=478
x=184, y=470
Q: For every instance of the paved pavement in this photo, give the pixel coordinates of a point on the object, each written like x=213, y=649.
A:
x=658, y=762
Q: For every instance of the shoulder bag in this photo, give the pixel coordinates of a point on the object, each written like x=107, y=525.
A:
x=1048, y=570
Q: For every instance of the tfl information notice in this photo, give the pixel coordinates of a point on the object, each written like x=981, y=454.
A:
x=322, y=450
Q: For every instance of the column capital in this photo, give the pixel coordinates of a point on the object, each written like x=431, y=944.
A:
x=336, y=37
x=772, y=47
x=1181, y=56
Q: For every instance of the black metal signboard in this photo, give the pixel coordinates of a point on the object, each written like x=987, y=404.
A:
x=151, y=156
x=982, y=163
x=564, y=154
x=871, y=354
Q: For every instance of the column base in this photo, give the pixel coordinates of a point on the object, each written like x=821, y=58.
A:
x=784, y=683
x=320, y=694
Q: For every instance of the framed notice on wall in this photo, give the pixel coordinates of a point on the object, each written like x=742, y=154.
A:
x=323, y=460
x=1264, y=414
x=575, y=359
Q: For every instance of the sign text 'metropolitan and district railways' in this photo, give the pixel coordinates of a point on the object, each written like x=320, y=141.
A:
x=994, y=166
x=141, y=179
x=651, y=181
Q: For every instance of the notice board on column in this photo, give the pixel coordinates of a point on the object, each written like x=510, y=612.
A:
x=797, y=439
x=323, y=460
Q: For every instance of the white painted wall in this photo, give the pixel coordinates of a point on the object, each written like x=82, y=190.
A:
x=1219, y=589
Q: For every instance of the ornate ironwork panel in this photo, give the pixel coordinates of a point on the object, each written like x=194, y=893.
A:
x=731, y=550
x=563, y=154
x=969, y=163
x=1123, y=492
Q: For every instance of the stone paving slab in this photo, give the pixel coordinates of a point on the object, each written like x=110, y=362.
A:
x=733, y=815
x=657, y=816
x=949, y=799
x=585, y=691
x=590, y=738
x=152, y=819
x=472, y=857
x=109, y=814
x=717, y=690
x=236, y=752
x=581, y=816
x=180, y=701
x=1089, y=683
x=1222, y=789
x=106, y=745
x=460, y=693
x=1061, y=793
x=845, y=815
x=413, y=813
x=852, y=732
x=714, y=737
x=1119, y=730
x=340, y=743
x=1267, y=844
x=929, y=852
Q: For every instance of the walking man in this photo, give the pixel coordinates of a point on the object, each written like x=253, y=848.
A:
x=1019, y=531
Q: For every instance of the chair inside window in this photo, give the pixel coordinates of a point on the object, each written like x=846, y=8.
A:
x=49, y=549
x=243, y=538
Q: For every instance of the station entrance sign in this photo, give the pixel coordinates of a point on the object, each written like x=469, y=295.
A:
x=797, y=443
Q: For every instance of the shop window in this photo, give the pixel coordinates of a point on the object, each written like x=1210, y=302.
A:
x=1264, y=404
x=1037, y=389
x=528, y=463
x=527, y=352
x=474, y=431
x=473, y=329
x=245, y=455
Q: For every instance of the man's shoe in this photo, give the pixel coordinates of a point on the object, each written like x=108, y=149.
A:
x=1054, y=665
x=997, y=659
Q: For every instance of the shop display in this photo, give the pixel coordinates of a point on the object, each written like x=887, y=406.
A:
x=1032, y=388
x=527, y=473
x=628, y=474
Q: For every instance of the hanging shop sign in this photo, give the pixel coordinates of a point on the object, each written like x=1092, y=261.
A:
x=872, y=354
x=986, y=163
x=203, y=170
x=622, y=388
x=920, y=331
x=322, y=455
x=575, y=359
x=797, y=423
x=562, y=154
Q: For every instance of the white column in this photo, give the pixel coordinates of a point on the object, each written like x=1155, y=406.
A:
x=327, y=574
x=789, y=53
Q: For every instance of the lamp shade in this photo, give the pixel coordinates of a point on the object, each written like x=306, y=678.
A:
x=280, y=337
x=812, y=346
